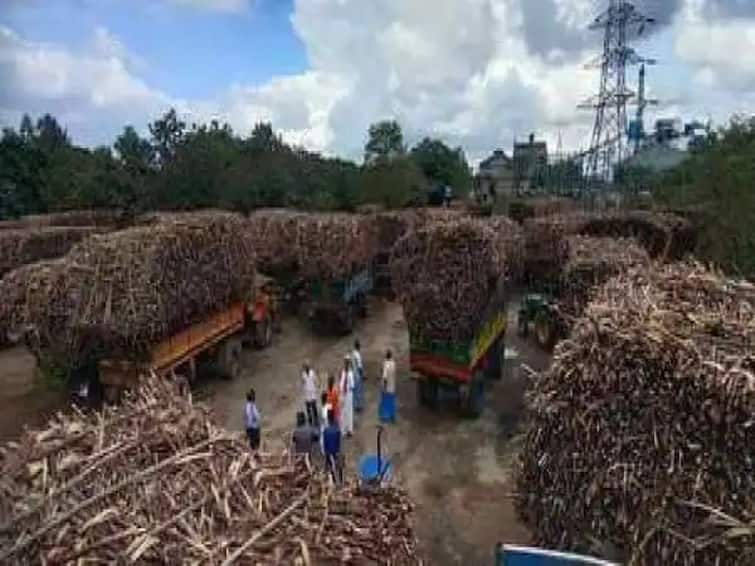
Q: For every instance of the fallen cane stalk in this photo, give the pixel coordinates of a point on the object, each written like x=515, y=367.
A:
x=264, y=530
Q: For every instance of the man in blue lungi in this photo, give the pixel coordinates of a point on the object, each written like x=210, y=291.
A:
x=387, y=409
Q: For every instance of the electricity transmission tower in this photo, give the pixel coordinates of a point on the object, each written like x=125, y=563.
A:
x=620, y=23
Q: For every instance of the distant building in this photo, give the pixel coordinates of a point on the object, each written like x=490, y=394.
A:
x=495, y=176
x=530, y=161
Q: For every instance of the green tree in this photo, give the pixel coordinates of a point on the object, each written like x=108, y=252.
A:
x=394, y=184
x=717, y=182
x=167, y=134
x=385, y=142
x=441, y=164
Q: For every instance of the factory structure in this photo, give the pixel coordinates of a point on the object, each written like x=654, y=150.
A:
x=619, y=138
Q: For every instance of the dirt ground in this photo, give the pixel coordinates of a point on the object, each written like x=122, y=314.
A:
x=24, y=401
x=458, y=471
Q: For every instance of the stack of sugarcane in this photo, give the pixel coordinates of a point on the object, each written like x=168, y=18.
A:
x=19, y=247
x=391, y=226
x=546, y=251
x=117, y=294
x=444, y=275
x=641, y=440
x=155, y=481
x=317, y=246
x=591, y=262
x=512, y=243
x=104, y=218
x=664, y=235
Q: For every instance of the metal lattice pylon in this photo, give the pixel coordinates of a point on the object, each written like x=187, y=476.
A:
x=608, y=145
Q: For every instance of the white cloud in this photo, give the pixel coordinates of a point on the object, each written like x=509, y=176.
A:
x=217, y=5
x=721, y=52
x=476, y=72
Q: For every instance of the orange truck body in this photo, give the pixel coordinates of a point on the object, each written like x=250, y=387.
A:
x=178, y=349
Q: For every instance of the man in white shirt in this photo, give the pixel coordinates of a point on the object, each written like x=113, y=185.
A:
x=358, y=369
x=387, y=409
x=346, y=387
x=309, y=385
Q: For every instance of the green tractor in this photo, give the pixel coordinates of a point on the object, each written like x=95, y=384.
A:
x=541, y=312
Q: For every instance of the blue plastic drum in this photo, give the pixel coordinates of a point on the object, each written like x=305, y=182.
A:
x=368, y=469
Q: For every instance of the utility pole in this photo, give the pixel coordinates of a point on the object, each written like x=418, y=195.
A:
x=642, y=102
x=619, y=23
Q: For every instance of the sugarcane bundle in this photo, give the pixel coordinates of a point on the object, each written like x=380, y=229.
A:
x=155, y=481
x=510, y=238
x=591, y=262
x=118, y=294
x=664, y=235
x=19, y=247
x=104, y=218
x=391, y=226
x=318, y=246
x=444, y=274
x=546, y=250
x=640, y=436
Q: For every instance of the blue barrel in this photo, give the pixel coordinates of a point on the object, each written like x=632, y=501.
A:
x=368, y=469
x=512, y=555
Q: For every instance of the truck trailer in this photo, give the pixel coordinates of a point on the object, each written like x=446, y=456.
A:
x=462, y=367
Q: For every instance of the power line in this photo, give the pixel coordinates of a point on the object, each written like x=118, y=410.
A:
x=608, y=144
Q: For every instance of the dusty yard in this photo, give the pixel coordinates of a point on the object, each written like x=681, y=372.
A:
x=458, y=471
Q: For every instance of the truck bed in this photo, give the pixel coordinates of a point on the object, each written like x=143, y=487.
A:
x=177, y=349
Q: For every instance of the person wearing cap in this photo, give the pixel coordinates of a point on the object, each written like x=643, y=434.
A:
x=309, y=385
x=358, y=369
x=346, y=390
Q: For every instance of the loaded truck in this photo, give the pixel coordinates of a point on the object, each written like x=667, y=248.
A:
x=332, y=306
x=217, y=340
x=461, y=367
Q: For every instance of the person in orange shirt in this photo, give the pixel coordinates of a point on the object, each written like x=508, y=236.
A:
x=334, y=399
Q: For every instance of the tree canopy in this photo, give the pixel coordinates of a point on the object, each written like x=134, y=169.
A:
x=177, y=166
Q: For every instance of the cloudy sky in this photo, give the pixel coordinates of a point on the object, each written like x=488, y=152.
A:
x=477, y=73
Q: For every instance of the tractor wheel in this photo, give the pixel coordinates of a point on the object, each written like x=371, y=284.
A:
x=545, y=330
x=229, y=358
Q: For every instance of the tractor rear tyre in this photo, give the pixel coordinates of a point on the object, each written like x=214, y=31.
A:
x=229, y=358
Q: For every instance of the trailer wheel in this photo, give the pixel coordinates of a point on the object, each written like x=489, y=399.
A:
x=263, y=333
x=495, y=361
x=472, y=396
x=229, y=358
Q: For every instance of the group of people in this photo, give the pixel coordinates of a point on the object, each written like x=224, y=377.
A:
x=334, y=417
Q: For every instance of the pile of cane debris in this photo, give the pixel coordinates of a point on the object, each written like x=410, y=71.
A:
x=117, y=294
x=314, y=245
x=640, y=441
x=510, y=238
x=444, y=274
x=155, y=481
